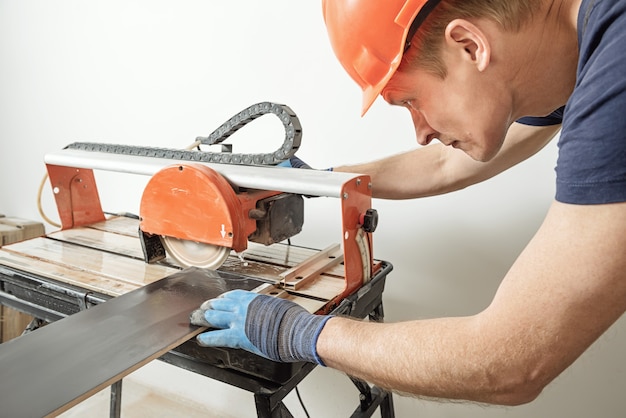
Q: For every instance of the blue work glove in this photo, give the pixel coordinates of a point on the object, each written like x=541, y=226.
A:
x=295, y=162
x=274, y=328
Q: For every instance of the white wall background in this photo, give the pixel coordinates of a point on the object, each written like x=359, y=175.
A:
x=163, y=72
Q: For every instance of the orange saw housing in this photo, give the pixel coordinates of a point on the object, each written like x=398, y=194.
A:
x=193, y=202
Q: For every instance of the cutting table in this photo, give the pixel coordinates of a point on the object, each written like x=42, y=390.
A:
x=116, y=298
x=61, y=274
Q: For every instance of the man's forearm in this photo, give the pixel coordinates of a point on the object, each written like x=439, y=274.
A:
x=440, y=358
x=566, y=288
x=437, y=169
x=413, y=174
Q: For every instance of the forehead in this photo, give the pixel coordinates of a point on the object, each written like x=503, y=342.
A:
x=405, y=84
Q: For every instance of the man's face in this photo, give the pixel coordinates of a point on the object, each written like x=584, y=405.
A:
x=466, y=110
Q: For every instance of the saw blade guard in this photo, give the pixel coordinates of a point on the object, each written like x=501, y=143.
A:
x=198, y=214
x=193, y=202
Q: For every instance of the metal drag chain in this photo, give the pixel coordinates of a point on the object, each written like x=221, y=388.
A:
x=293, y=136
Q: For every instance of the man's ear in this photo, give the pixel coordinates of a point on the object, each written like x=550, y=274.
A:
x=471, y=42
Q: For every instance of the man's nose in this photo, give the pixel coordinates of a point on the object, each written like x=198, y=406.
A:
x=422, y=129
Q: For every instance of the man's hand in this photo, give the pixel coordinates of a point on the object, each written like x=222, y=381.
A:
x=295, y=162
x=274, y=328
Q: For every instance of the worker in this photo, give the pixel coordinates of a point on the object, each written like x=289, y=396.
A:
x=490, y=83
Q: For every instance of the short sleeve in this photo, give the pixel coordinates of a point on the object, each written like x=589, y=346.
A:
x=591, y=167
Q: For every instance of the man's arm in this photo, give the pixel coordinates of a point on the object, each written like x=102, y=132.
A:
x=562, y=293
x=437, y=169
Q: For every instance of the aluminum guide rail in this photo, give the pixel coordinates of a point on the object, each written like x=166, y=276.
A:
x=299, y=181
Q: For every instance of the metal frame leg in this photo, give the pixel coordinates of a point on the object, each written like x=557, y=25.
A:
x=386, y=407
x=36, y=323
x=264, y=408
x=115, y=408
x=371, y=398
x=269, y=402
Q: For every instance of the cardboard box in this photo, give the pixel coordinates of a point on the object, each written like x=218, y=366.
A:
x=10, y=234
x=17, y=229
x=12, y=230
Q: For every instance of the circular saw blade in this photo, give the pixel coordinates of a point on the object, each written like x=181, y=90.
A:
x=195, y=254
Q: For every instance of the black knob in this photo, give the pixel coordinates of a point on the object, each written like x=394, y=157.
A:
x=369, y=220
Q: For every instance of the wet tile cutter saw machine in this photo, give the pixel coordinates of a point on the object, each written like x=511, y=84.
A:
x=198, y=212
x=199, y=206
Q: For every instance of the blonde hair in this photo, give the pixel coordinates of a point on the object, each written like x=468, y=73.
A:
x=424, y=51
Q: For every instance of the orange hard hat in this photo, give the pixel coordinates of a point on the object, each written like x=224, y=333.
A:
x=370, y=36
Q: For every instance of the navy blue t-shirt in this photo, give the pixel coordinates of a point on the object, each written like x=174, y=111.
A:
x=591, y=167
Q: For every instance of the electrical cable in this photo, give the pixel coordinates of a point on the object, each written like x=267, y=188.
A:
x=40, y=207
x=195, y=144
x=302, y=403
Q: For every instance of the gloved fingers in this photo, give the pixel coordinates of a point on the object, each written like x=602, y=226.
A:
x=239, y=295
x=226, y=338
x=213, y=318
x=220, y=304
x=206, y=304
x=197, y=318
x=294, y=162
x=218, y=338
x=223, y=319
x=226, y=301
x=298, y=163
